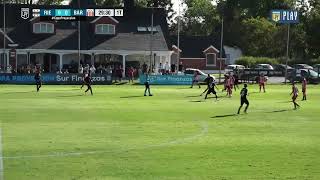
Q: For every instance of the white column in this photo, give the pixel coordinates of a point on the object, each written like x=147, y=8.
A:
x=60, y=62
x=28, y=57
x=124, y=65
x=168, y=59
x=7, y=58
x=92, y=58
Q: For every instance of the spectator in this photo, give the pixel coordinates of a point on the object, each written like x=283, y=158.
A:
x=130, y=74
x=173, y=68
x=144, y=68
x=119, y=73
x=80, y=69
x=9, y=69
x=100, y=69
x=29, y=69
x=167, y=68
x=92, y=69
x=87, y=68
x=181, y=68
x=109, y=70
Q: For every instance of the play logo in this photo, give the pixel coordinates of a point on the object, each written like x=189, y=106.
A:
x=284, y=16
x=276, y=16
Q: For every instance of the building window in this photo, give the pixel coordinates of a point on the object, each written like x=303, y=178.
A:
x=211, y=59
x=43, y=28
x=105, y=29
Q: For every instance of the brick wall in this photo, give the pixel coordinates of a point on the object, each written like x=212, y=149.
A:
x=200, y=63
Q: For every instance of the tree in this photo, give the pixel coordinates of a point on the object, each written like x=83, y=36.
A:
x=312, y=30
x=167, y=4
x=258, y=37
x=201, y=18
x=50, y=2
x=110, y=3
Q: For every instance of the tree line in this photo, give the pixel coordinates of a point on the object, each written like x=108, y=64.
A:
x=247, y=24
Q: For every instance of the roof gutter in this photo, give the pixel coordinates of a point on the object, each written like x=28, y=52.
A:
x=6, y=36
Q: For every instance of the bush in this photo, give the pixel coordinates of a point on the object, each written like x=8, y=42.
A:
x=250, y=61
x=315, y=61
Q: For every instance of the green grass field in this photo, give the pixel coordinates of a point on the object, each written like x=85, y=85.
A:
x=118, y=134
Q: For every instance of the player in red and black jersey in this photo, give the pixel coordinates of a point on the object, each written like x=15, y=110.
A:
x=295, y=94
x=304, y=89
x=262, y=83
x=87, y=81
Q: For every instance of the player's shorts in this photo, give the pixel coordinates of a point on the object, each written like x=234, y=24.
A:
x=211, y=90
x=147, y=84
x=244, y=101
x=38, y=81
x=294, y=97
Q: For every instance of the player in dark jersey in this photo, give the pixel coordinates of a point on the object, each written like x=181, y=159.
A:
x=211, y=89
x=147, y=86
x=37, y=78
x=244, y=100
x=207, y=81
x=83, y=81
x=295, y=93
x=87, y=81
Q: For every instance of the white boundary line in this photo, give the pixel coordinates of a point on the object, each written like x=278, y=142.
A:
x=203, y=132
x=1, y=157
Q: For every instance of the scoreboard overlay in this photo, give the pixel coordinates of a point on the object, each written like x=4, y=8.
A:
x=68, y=14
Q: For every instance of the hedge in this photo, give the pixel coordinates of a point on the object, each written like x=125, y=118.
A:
x=250, y=61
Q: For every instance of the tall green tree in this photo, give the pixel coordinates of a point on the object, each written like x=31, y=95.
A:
x=201, y=18
x=258, y=37
x=110, y=3
x=312, y=26
x=50, y=2
x=166, y=4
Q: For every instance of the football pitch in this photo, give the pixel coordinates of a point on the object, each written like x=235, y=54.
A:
x=60, y=133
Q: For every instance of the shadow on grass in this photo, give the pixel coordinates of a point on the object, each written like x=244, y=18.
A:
x=127, y=97
x=185, y=87
x=256, y=92
x=119, y=83
x=279, y=111
x=285, y=102
x=19, y=92
x=226, y=115
x=193, y=96
x=197, y=101
x=75, y=95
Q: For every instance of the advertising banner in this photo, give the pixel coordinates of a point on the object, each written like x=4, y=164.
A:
x=70, y=79
x=167, y=79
